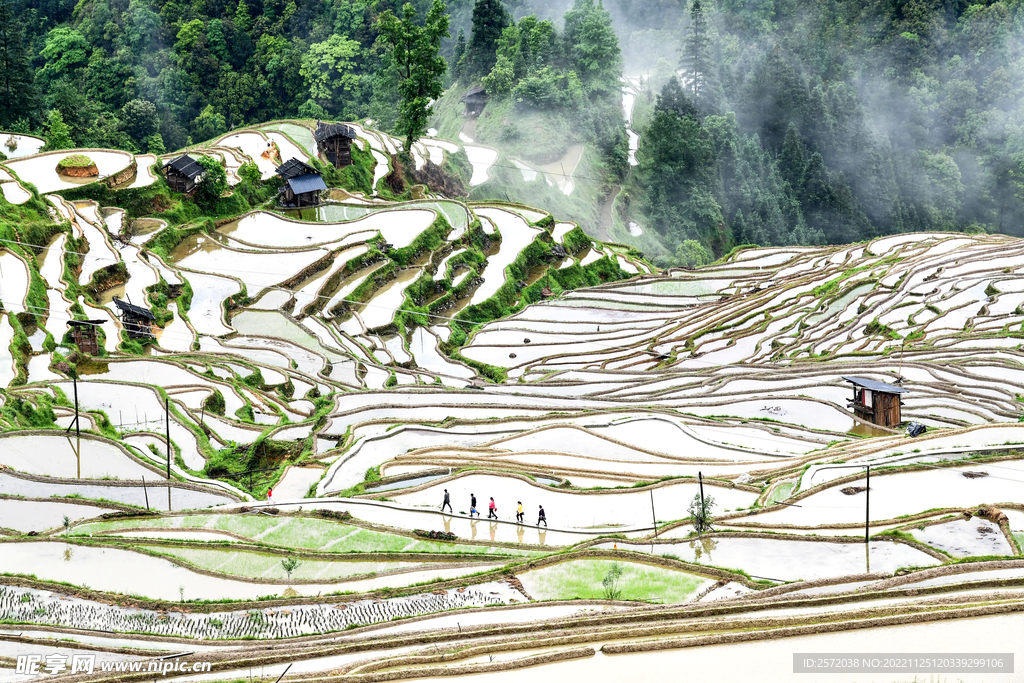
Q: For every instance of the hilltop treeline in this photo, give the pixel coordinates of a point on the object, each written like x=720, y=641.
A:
x=822, y=121
x=833, y=121
x=570, y=75
x=150, y=75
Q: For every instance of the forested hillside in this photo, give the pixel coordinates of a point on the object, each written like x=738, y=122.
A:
x=813, y=122
x=787, y=122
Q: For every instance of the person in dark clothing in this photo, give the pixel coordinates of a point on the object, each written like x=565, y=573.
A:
x=472, y=505
x=447, y=502
x=541, y=516
x=492, y=510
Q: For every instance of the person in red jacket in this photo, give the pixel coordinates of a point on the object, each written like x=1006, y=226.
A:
x=492, y=510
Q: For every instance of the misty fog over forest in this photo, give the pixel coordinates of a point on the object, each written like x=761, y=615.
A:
x=759, y=121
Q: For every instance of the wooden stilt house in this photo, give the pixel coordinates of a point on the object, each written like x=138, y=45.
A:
x=137, y=321
x=876, y=402
x=334, y=142
x=475, y=100
x=83, y=332
x=183, y=174
x=303, y=185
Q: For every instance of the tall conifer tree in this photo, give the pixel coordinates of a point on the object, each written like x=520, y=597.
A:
x=697, y=51
x=490, y=18
x=17, y=96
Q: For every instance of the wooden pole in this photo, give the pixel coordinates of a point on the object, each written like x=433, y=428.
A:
x=286, y=671
x=167, y=424
x=74, y=381
x=146, y=492
x=700, y=480
x=654, y=518
x=867, y=506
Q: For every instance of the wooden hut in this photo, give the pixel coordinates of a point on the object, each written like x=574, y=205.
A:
x=475, y=100
x=876, y=402
x=84, y=334
x=137, y=321
x=303, y=185
x=183, y=173
x=334, y=141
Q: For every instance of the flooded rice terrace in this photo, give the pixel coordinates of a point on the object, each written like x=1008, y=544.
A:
x=291, y=425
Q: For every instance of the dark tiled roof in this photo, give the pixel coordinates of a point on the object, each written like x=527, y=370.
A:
x=876, y=386
x=293, y=168
x=132, y=309
x=325, y=131
x=474, y=93
x=186, y=166
x=311, y=182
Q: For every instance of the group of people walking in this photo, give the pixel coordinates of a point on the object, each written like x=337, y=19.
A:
x=492, y=509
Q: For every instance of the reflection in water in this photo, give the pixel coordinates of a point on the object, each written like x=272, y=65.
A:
x=494, y=529
x=447, y=524
x=542, y=537
x=472, y=528
x=863, y=429
x=68, y=554
x=92, y=367
x=76, y=448
x=520, y=532
x=703, y=546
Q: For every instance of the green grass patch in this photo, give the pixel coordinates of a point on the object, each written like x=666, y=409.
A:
x=583, y=579
x=781, y=492
x=75, y=161
x=251, y=564
x=307, y=533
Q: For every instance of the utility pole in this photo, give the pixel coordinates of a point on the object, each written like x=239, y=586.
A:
x=867, y=492
x=654, y=518
x=700, y=481
x=867, y=504
x=167, y=424
x=899, y=373
x=77, y=448
x=74, y=422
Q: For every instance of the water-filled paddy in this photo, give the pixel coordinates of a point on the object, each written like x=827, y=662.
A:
x=31, y=515
x=631, y=508
x=785, y=560
x=515, y=235
x=41, y=170
x=98, y=460
x=15, y=145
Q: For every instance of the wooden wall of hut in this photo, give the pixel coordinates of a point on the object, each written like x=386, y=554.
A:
x=339, y=151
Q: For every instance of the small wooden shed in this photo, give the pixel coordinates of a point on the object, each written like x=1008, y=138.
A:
x=183, y=173
x=303, y=185
x=475, y=100
x=876, y=402
x=84, y=334
x=334, y=142
x=137, y=321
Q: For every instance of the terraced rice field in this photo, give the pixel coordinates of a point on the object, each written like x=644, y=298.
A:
x=325, y=382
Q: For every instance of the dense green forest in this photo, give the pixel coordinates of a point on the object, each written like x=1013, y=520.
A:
x=152, y=74
x=762, y=121
x=833, y=121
